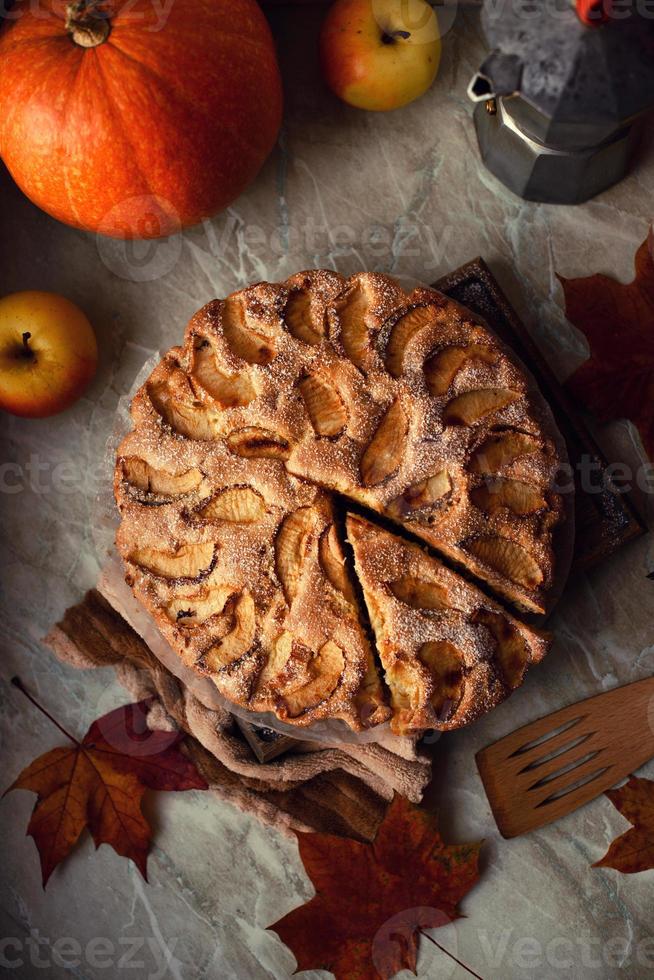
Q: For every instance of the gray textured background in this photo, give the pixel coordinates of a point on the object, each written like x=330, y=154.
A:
x=402, y=193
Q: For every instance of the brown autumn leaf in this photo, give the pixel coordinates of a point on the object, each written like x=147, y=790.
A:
x=100, y=782
x=617, y=381
x=634, y=850
x=372, y=900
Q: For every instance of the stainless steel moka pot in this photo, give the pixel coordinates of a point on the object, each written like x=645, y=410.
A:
x=563, y=94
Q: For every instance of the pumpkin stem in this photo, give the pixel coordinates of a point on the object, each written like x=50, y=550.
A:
x=87, y=24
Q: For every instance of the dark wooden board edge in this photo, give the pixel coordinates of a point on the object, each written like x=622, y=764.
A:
x=605, y=519
x=266, y=743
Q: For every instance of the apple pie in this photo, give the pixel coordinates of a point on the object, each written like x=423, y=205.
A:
x=288, y=405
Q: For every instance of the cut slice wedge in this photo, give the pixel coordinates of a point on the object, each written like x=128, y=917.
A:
x=439, y=638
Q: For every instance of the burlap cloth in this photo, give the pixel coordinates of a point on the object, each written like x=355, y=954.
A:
x=342, y=789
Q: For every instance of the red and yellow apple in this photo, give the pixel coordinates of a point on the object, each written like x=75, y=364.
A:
x=48, y=353
x=380, y=54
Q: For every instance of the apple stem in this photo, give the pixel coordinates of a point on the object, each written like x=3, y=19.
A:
x=26, y=351
x=16, y=681
x=389, y=37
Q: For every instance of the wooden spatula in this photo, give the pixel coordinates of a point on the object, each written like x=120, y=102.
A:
x=547, y=769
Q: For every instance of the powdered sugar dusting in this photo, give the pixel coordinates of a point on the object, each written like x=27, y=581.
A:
x=230, y=404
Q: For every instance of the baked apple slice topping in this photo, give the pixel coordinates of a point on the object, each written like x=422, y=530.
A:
x=197, y=607
x=300, y=320
x=236, y=505
x=521, y=499
x=326, y=669
x=511, y=650
x=285, y=661
x=446, y=666
x=325, y=406
x=159, y=485
x=406, y=689
x=291, y=545
x=442, y=368
x=426, y=493
x=255, y=443
x=248, y=338
x=304, y=679
x=473, y=406
x=238, y=641
x=420, y=593
x=228, y=390
x=189, y=562
x=352, y=309
x=386, y=449
x=404, y=330
x=508, y=558
x=501, y=450
x=193, y=420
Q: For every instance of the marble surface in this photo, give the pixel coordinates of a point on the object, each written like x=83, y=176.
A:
x=403, y=193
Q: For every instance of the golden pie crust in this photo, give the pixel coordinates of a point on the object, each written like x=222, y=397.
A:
x=286, y=401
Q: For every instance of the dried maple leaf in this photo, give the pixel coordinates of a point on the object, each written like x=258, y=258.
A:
x=618, y=320
x=634, y=850
x=100, y=782
x=372, y=899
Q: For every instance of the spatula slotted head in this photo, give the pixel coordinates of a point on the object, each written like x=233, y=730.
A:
x=554, y=765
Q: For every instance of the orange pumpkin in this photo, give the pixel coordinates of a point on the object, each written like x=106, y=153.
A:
x=134, y=118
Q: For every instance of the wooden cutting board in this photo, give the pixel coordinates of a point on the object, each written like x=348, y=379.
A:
x=604, y=520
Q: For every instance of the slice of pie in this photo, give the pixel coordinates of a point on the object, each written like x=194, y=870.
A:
x=285, y=395
x=449, y=653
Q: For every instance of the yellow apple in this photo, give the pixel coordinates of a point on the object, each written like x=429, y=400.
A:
x=48, y=353
x=380, y=54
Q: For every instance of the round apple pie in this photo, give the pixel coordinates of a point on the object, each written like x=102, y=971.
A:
x=336, y=501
